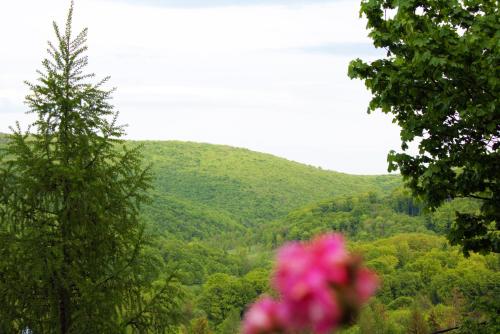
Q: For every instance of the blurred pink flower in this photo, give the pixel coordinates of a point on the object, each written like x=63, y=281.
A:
x=265, y=316
x=366, y=284
x=317, y=310
x=329, y=254
x=322, y=286
x=293, y=264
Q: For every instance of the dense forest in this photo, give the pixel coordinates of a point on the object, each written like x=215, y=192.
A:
x=235, y=188
x=222, y=212
x=217, y=214
x=224, y=256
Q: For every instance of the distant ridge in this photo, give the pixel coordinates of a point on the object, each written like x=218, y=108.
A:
x=248, y=187
x=202, y=190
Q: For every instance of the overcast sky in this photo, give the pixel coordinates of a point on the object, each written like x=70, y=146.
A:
x=268, y=75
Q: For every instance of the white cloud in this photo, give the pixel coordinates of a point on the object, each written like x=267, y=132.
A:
x=229, y=75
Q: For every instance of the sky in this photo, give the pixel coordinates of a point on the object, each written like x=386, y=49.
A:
x=267, y=75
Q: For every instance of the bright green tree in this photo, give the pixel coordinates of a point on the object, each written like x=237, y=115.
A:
x=223, y=294
x=440, y=81
x=72, y=256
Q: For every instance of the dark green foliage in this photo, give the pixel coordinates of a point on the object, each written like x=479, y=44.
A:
x=440, y=81
x=72, y=249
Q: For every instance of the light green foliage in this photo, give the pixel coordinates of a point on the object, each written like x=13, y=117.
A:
x=417, y=323
x=248, y=187
x=479, y=286
x=225, y=275
x=440, y=81
x=374, y=319
x=259, y=278
x=231, y=325
x=435, y=280
x=418, y=271
x=196, y=260
x=186, y=220
x=222, y=294
x=402, y=302
x=384, y=264
x=197, y=326
x=215, y=192
x=362, y=216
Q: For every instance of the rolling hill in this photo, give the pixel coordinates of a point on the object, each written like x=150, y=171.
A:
x=247, y=187
x=205, y=190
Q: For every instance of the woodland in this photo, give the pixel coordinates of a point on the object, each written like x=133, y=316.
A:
x=104, y=235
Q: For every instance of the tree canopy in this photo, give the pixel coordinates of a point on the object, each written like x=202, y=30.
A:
x=440, y=81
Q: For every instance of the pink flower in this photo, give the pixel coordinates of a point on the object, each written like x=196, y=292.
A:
x=366, y=284
x=330, y=255
x=293, y=263
x=318, y=310
x=265, y=316
x=304, y=275
x=321, y=285
x=296, y=274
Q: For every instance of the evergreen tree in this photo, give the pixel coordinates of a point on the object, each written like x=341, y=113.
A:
x=71, y=243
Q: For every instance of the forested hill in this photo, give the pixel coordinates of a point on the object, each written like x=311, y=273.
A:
x=202, y=190
x=241, y=186
x=218, y=213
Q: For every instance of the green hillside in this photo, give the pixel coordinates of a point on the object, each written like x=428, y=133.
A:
x=218, y=213
x=205, y=191
x=365, y=216
x=186, y=220
x=246, y=186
